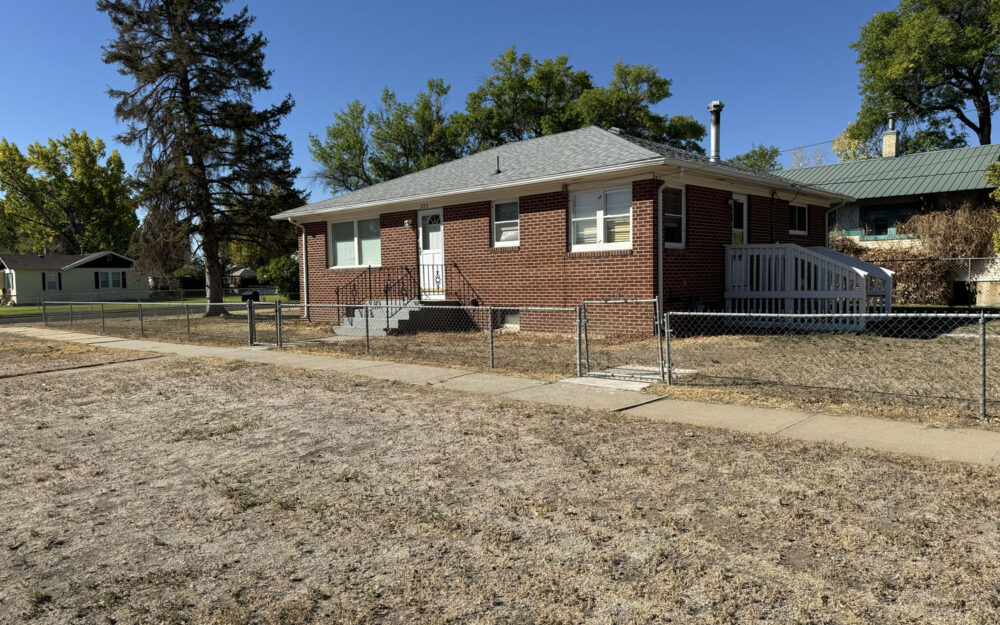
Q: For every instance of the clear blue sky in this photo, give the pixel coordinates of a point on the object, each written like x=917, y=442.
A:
x=783, y=69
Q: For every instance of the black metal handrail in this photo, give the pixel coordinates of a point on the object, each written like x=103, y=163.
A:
x=463, y=290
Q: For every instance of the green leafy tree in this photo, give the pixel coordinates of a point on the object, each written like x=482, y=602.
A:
x=932, y=62
x=208, y=153
x=626, y=103
x=364, y=147
x=65, y=196
x=523, y=98
x=760, y=157
x=282, y=272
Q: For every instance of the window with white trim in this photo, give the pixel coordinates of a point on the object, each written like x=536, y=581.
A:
x=8, y=280
x=798, y=219
x=506, y=224
x=109, y=280
x=601, y=220
x=673, y=213
x=51, y=281
x=355, y=243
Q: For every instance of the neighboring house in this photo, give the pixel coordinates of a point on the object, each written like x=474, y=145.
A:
x=556, y=220
x=888, y=190
x=242, y=277
x=101, y=276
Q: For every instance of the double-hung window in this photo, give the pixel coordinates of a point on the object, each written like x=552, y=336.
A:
x=798, y=219
x=506, y=224
x=51, y=281
x=109, y=279
x=601, y=220
x=673, y=215
x=355, y=243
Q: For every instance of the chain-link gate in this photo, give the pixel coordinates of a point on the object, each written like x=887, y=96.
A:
x=623, y=339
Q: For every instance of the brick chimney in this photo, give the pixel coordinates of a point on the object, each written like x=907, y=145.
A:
x=890, y=138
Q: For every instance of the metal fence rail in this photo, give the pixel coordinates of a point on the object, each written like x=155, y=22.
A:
x=909, y=360
x=909, y=357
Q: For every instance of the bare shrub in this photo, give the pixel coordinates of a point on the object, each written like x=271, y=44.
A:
x=922, y=278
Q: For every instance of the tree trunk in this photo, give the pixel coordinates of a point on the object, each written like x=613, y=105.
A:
x=213, y=274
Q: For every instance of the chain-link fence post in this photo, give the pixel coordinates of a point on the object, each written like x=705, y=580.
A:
x=982, y=365
x=251, y=324
x=579, y=341
x=489, y=314
x=71, y=315
x=45, y=316
x=368, y=336
x=104, y=327
x=277, y=323
x=187, y=321
x=142, y=324
x=670, y=360
x=658, y=320
x=586, y=336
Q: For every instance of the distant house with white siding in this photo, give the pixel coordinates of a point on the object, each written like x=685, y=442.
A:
x=28, y=279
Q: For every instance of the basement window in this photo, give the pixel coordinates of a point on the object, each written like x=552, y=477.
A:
x=798, y=219
x=601, y=220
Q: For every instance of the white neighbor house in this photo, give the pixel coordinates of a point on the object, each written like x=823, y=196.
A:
x=28, y=279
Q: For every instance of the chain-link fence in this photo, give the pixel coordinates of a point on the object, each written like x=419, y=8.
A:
x=527, y=339
x=903, y=358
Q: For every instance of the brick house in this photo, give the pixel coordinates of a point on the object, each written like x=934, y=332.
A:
x=552, y=221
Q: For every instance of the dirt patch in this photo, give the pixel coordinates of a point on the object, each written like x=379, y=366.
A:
x=19, y=356
x=200, y=491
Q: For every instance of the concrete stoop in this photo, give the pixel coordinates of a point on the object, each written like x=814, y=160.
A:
x=398, y=317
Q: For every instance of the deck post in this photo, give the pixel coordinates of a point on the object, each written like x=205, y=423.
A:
x=982, y=365
x=579, y=342
x=489, y=313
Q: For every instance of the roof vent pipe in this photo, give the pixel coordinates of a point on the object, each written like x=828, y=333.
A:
x=716, y=109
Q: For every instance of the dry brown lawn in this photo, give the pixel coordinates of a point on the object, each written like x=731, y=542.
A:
x=21, y=356
x=180, y=491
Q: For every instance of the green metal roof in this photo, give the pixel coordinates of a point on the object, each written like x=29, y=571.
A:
x=940, y=171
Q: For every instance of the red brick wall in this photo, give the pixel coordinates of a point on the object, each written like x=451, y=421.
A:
x=541, y=271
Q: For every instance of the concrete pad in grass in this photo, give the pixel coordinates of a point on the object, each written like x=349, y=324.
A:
x=580, y=396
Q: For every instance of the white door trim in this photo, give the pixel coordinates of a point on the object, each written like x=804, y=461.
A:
x=431, y=261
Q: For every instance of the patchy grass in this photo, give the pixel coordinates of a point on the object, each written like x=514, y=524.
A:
x=360, y=501
x=19, y=356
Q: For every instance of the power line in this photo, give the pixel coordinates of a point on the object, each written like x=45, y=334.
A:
x=812, y=145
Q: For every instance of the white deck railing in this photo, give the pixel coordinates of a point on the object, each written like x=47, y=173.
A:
x=785, y=278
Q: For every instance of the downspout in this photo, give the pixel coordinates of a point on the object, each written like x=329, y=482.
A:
x=658, y=242
x=305, y=269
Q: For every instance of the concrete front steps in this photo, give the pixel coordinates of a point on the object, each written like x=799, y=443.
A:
x=397, y=317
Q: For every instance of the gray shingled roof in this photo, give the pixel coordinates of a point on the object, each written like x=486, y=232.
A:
x=552, y=156
x=960, y=169
x=36, y=262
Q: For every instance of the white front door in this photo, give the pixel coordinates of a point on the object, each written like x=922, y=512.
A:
x=431, y=242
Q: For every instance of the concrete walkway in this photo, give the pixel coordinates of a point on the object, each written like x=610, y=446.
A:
x=958, y=444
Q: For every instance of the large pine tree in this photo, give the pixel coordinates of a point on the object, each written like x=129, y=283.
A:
x=207, y=152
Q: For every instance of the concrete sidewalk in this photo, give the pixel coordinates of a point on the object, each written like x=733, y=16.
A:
x=959, y=444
